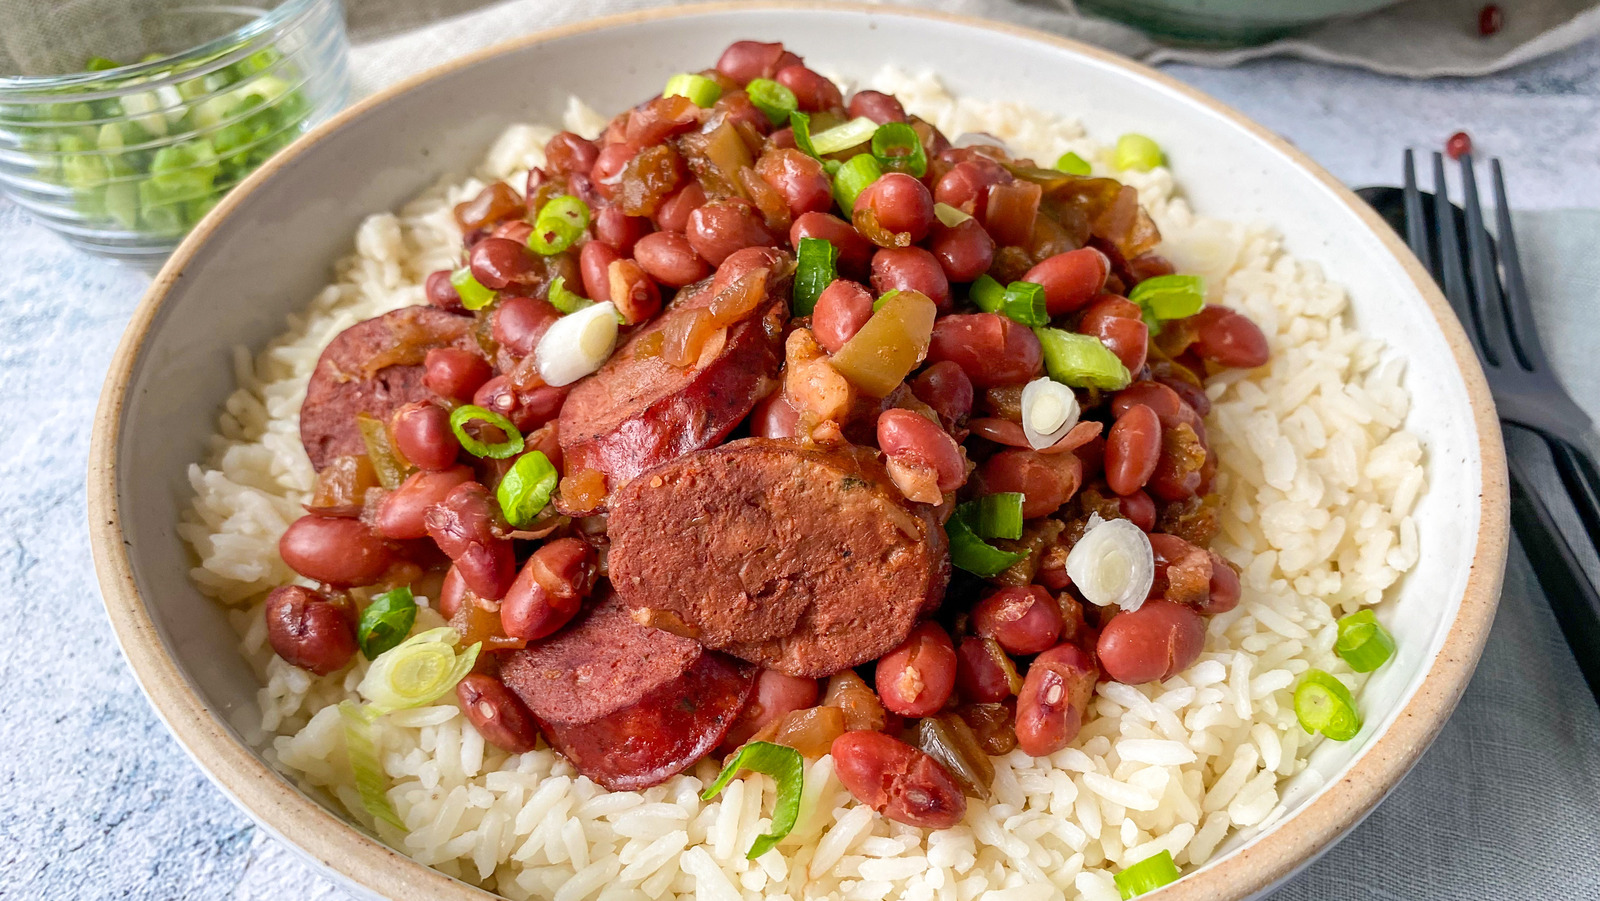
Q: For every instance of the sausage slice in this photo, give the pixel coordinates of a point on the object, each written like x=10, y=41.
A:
x=803, y=560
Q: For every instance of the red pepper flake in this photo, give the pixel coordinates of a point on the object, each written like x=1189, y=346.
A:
x=1460, y=143
x=1490, y=20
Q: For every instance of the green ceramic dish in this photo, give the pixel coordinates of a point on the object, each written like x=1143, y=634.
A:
x=1228, y=22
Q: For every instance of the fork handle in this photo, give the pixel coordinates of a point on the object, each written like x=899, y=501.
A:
x=1576, y=463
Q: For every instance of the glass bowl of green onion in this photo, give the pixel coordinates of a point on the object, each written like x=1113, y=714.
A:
x=123, y=122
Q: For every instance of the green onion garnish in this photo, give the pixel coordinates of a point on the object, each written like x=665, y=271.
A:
x=1135, y=151
x=772, y=98
x=987, y=294
x=509, y=447
x=815, y=270
x=362, y=752
x=99, y=64
x=560, y=223
x=883, y=299
x=784, y=765
x=801, y=124
x=474, y=296
x=994, y=515
x=897, y=148
x=526, y=488
x=1169, y=297
x=386, y=621
x=416, y=671
x=1072, y=164
x=949, y=215
x=1081, y=361
x=563, y=298
x=853, y=178
x=1147, y=875
x=973, y=554
x=854, y=133
x=1024, y=303
x=700, y=90
x=1323, y=704
x=1363, y=642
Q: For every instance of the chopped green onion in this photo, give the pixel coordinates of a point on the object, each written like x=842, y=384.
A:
x=510, y=446
x=362, y=751
x=1081, y=361
x=560, y=223
x=416, y=671
x=1135, y=151
x=897, y=148
x=1363, y=642
x=784, y=765
x=883, y=299
x=1169, y=297
x=526, y=488
x=1072, y=164
x=815, y=269
x=1024, y=303
x=1323, y=704
x=994, y=515
x=1147, y=875
x=854, y=133
x=801, y=124
x=386, y=621
x=987, y=294
x=1112, y=564
x=973, y=554
x=700, y=90
x=853, y=178
x=772, y=98
x=949, y=215
x=99, y=64
x=474, y=296
x=564, y=299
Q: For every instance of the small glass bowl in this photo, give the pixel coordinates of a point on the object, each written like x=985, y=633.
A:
x=124, y=160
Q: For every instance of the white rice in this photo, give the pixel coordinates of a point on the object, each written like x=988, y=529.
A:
x=1318, y=480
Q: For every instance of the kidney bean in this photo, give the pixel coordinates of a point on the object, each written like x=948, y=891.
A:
x=1024, y=619
x=566, y=153
x=668, y=258
x=606, y=173
x=1071, y=280
x=775, y=417
x=421, y=433
x=900, y=203
x=453, y=373
x=992, y=350
x=897, y=780
x=550, y=589
x=633, y=291
x=1132, y=449
x=340, y=552
x=984, y=673
x=618, y=229
x=500, y=262
x=1229, y=339
x=801, y=180
x=451, y=593
x=718, y=228
x=915, y=440
x=497, y=713
x=966, y=185
x=855, y=252
x=735, y=108
x=964, y=252
x=916, y=678
x=1183, y=571
x=910, y=269
x=1046, y=481
x=877, y=106
x=842, y=309
x=944, y=386
x=519, y=322
x=400, y=515
x=501, y=396
x=594, y=263
x=308, y=631
x=1053, y=699
x=1169, y=408
x=1139, y=509
x=777, y=695
x=1153, y=643
x=745, y=60
x=1126, y=336
x=811, y=91
x=1225, y=589
x=441, y=293
x=673, y=213
x=513, y=230
x=464, y=527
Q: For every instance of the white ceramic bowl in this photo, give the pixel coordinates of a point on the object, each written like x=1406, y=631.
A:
x=269, y=247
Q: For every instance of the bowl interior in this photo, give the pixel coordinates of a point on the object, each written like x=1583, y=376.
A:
x=270, y=249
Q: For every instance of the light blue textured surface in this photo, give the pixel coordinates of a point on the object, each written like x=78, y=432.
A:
x=97, y=801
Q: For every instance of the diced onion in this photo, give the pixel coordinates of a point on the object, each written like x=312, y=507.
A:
x=1049, y=411
x=577, y=344
x=361, y=750
x=1113, y=564
x=415, y=672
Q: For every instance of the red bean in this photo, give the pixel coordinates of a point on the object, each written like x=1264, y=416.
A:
x=1023, y=619
x=897, y=780
x=855, y=252
x=1229, y=339
x=745, y=60
x=401, y=515
x=1132, y=449
x=340, y=552
x=1225, y=587
x=497, y=713
x=1139, y=509
x=1153, y=643
x=633, y=291
x=566, y=153
x=911, y=269
x=916, y=678
x=1046, y=481
x=519, y=323
x=915, y=440
x=966, y=185
x=500, y=262
x=718, y=228
x=442, y=293
x=1071, y=280
x=464, y=526
x=594, y=262
x=513, y=230
x=453, y=373
x=608, y=166
x=992, y=350
x=842, y=309
x=777, y=695
x=308, y=631
x=550, y=589
x=736, y=109
x=527, y=410
x=801, y=180
x=811, y=91
x=673, y=213
x=618, y=229
x=900, y=204
x=421, y=433
x=775, y=417
x=944, y=386
x=668, y=258
x=1053, y=699
x=877, y=106
x=964, y=252
x=451, y=593
x=984, y=673
x=1126, y=336
x=1169, y=408
x=1009, y=212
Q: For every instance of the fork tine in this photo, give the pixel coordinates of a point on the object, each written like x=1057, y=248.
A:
x=1524, y=334
x=1486, y=299
x=1416, y=221
x=1451, y=274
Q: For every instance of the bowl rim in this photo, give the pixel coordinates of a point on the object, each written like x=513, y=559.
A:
x=271, y=800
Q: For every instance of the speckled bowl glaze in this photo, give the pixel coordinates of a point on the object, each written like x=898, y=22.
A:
x=269, y=246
